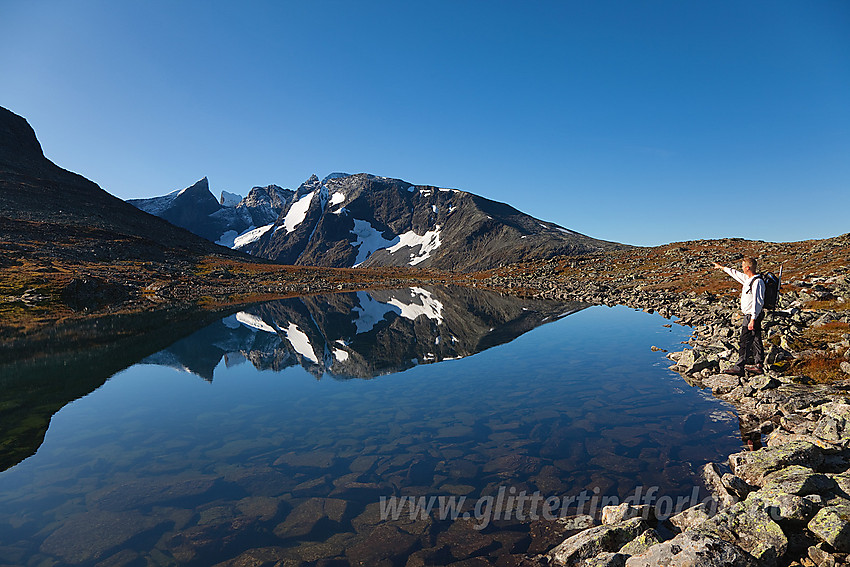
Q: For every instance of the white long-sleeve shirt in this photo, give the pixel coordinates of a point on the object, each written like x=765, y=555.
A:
x=752, y=292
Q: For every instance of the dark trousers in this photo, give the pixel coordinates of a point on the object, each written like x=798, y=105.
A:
x=751, y=344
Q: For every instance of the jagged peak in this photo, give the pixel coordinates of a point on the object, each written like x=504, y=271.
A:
x=335, y=175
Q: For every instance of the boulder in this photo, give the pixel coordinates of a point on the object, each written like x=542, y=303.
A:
x=749, y=526
x=753, y=466
x=692, y=362
x=606, y=559
x=89, y=536
x=641, y=543
x=691, y=517
x=832, y=525
x=693, y=550
x=722, y=383
x=783, y=506
x=621, y=513
x=714, y=483
x=593, y=541
x=798, y=480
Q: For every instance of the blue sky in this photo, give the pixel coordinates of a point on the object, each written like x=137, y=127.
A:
x=640, y=122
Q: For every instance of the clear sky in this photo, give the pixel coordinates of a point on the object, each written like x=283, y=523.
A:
x=641, y=122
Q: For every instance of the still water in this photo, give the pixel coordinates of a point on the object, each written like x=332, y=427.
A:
x=284, y=434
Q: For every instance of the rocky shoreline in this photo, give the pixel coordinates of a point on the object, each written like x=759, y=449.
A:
x=783, y=502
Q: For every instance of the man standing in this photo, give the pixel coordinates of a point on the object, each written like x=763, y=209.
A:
x=752, y=304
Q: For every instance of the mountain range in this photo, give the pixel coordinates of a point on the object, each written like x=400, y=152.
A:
x=343, y=220
x=365, y=220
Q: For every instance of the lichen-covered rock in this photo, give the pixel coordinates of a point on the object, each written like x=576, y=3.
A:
x=736, y=485
x=641, y=543
x=748, y=525
x=832, y=525
x=714, y=483
x=798, y=480
x=594, y=541
x=606, y=559
x=621, y=513
x=782, y=437
x=783, y=506
x=693, y=550
x=753, y=466
x=722, y=383
x=691, y=517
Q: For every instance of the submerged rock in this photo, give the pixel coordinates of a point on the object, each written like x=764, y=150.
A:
x=91, y=535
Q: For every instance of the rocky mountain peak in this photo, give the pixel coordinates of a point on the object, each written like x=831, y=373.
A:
x=18, y=143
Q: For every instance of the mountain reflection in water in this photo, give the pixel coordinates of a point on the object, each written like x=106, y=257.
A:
x=362, y=334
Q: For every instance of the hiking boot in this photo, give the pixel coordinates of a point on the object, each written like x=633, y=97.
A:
x=755, y=369
x=735, y=371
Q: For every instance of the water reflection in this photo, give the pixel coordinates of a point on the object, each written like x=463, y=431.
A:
x=261, y=464
x=363, y=334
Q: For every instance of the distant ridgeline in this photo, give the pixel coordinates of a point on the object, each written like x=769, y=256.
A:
x=364, y=220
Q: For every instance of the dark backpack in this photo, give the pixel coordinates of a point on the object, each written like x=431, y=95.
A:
x=771, y=290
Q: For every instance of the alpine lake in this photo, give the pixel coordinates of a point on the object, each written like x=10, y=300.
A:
x=407, y=427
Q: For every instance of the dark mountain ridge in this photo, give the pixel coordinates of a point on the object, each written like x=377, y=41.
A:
x=53, y=211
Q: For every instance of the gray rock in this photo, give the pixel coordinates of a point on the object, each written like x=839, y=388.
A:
x=785, y=507
x=832, y=525
x=845, y=366
x=829, y=429
x=693, y=550
x=691, y=517
x=764, y=382
x=714, y=483
x=606, y=559
x=752, y=466
x=722, y=383
x=621, y=513
x=593, y=541
x=578, y=522
x=736, y=485
x=641, y=543
x=749, y=526
x=798, y=480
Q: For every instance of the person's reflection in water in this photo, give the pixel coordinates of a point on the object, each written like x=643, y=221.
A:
x=750, y=432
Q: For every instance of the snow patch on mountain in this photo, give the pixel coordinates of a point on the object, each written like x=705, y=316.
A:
x=228, y=239
x=298, y=212
x=368, y=240
x=337, y=198
x=157, y=205
x=251, y=236
x=427, y=242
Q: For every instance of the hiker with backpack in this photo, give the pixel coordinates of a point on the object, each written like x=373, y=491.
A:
x=752, y=305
